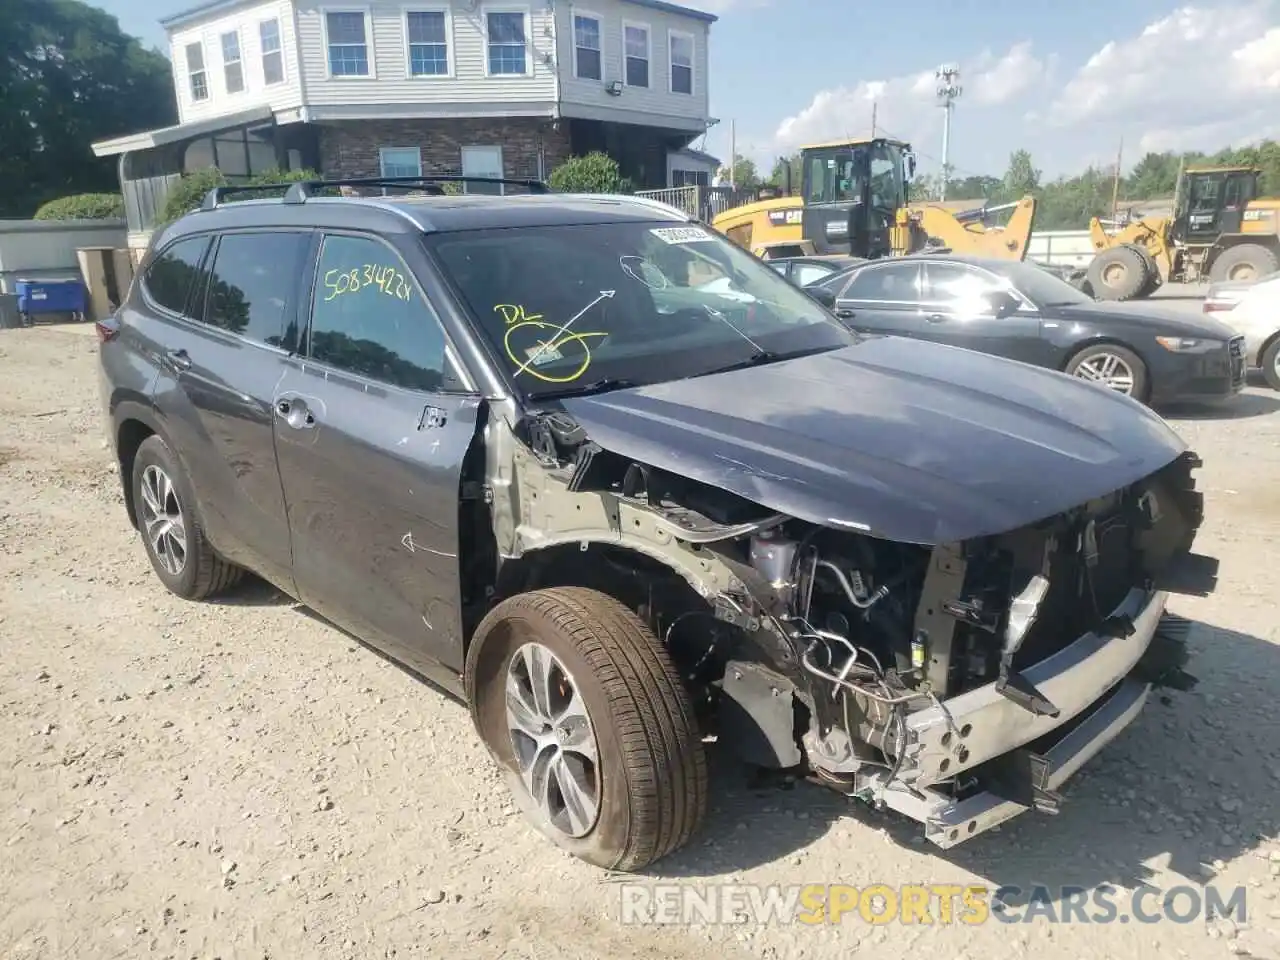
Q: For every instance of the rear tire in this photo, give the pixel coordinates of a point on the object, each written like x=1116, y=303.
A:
x=1243, y=263
x=614, y=695
x=1119, y=273
x=164, y=503
x=1270, y=363
x=1112, y=366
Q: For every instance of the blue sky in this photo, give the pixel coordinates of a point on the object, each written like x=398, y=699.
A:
x=1066, y=81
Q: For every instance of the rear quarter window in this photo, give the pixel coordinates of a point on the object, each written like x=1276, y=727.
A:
x=169, y=279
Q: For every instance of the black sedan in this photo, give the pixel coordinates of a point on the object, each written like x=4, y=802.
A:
x=1020, y=311
x=803, y=271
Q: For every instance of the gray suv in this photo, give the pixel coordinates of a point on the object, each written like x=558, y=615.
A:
x=621, y=487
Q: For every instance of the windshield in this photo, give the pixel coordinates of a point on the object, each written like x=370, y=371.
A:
x=586, y=306
x=1043, y=288
x=834, y=175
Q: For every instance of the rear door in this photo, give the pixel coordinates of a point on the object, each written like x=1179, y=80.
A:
x=222, y=360
x=883, y=298
x=956, y=309
x=372, y=423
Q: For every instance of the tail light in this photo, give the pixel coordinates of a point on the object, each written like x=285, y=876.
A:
x=108, y=328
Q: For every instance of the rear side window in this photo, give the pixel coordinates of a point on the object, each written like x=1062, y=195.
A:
x=891, y=283
x=252, y=282
x=368, y=318
x=169, y=279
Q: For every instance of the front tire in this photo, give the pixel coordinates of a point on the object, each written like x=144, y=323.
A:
x=581, y=706
x=171, y=532
x=1270, y=363
x=1119, y=273
x=1112, y=366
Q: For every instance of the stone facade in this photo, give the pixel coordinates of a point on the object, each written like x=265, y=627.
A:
x=350, y=148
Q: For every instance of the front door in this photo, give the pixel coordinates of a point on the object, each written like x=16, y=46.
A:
x=956, y=309
x=882, y=297
x=482, y=162
x=223, y=361
x=371, y=432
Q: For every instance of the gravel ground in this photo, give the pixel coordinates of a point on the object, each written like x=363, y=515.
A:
x=239, y=779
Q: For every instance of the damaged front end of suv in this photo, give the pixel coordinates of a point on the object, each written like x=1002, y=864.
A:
x=957, y=682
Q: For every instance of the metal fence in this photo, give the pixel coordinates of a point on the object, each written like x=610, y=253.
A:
x=700, y=202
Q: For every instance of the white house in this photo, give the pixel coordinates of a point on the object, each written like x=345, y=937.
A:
x=414, y=87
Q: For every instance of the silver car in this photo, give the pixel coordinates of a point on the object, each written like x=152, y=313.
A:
x=1253, y=309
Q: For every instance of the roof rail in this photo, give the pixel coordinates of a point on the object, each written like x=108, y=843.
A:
x=303, y=189
x=213, y=199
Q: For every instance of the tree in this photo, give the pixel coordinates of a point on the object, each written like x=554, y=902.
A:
x=68, y=77
x=1022, y=177
x=777, y=176
x=746, y=176
x=593, y=173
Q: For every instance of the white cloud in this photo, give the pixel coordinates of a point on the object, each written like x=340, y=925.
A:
x=1200, y=77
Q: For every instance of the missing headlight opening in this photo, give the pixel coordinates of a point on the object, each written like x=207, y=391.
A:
x=957, y=683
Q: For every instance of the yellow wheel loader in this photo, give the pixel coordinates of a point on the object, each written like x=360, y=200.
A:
x=1220, y=230
x=854, y=199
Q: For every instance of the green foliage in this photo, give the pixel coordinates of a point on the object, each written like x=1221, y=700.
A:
x=745, y=174
x=190, y=191
x=69, y=77
x=83, y=206
x=592, y=173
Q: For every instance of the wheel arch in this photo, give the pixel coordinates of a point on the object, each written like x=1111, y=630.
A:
x=133, y=421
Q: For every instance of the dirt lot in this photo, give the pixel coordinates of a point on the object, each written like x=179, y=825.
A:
x=242, y=780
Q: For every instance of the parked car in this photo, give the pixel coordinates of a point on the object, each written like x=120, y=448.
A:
x=803, y=271
x=617, y=484
x=1020, y=311
x=1253, y=310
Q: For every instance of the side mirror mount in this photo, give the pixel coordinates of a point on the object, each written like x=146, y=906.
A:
x=823, y=295
x=1003, y=303
x=908, y=166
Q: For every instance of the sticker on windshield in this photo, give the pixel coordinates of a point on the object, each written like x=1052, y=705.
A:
x=543, y=353
x=682, y=234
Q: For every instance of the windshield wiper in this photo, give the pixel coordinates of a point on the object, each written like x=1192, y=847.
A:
x=757, y=358
x=587, y=389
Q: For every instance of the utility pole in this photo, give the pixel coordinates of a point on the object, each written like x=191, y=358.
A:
x=1115, y=186
x=873, y=119
x=733, y=153
x=948, y=90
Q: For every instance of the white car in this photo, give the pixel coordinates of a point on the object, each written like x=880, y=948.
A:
x=1254, y=311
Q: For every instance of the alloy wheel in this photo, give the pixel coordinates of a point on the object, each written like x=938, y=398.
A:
x=163, y=521
x=1109, y=370
x=553, y=740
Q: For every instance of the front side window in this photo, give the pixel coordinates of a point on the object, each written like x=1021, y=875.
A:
x=586, y=47
x=960, y=289
x=368, y=317
x=506, y=43
x=888, y=283
x=681, y=63
x=636, y=41
x=568, y=306
x=252, y=282
x=272, y=52
x=1041, y=287
x=428, y=43
x=232, y=67
x=348, y=44
x=196, y=75
x=172, y=274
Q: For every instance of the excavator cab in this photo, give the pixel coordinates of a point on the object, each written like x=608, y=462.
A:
x=852, y=192
x=1212, y=202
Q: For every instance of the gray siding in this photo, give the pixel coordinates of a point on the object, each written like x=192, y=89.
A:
x=282, y=96
x=658, y=99
x=390, y=82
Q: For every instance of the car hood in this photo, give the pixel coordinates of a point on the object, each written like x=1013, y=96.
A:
x=1160, y=320
x=901, y=439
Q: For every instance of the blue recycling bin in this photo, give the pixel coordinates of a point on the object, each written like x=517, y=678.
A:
x=39, y=297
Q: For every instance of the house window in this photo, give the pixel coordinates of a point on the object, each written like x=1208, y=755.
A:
x=272, y=52
x=482, y=162
x=681, y=63
x=586, y=47
x=232, y=68
x=428, y=43
x=637, y=50
x=506, y=42
x=400, y=161
x=348, y=44
x=196, y=73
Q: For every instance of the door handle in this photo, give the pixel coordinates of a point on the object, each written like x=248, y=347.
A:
x=283, y=407
x=935, y=318
x=180, y=359
x=295, y=413
x=844, y=313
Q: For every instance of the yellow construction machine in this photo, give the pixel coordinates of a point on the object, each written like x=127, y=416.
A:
x=854, y=199
x=1219, y=230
